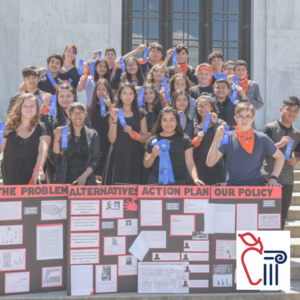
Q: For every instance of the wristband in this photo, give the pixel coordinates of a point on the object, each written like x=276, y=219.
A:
x=196, y=142
x=152, y=156
x=56, y=140
x=38, y=168
x=110, y=107
x=165, y=101
x=135, y=135
x=274, y=177
x=115, y=122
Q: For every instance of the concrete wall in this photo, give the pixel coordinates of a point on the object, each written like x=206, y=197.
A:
x=275, y=54
x=32, y=29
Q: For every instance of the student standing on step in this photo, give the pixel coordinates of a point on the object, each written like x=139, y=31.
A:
x=281, y=132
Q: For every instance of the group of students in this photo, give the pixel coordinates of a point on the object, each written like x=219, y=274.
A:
x=167, y=138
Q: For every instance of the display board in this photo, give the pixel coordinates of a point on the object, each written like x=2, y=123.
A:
x=33, y=244
x=103, y=223
x=232, y=209
x=171, y=221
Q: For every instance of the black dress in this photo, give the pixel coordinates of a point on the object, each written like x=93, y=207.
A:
x=151, y=119
x=209, y=175
x=20, y=155
x=125, y=156
x=72, y=73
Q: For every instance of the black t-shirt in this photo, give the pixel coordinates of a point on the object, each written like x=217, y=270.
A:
x=206, y=141
x=196, y=91
x=72, y=73
x=178, y=144
x=46, y=85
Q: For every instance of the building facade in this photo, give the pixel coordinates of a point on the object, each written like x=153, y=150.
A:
x=262, y=32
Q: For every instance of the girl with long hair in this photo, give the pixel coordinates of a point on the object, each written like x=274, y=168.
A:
x=76, y=163
x=88, y=82
x=168, y=127
x=133, y=73
x=25, y=143
x=124, y=159
x=100, y=123
x=202, y=141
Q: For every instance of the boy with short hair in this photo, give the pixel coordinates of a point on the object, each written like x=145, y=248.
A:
x=31, y=78
x=281, y=132
x=110, y=56
x=245, y=151
x=248, y=90
x=228, y=67
x=224, y=107
x=204, y=74
x=216, y=61
x=182, y=65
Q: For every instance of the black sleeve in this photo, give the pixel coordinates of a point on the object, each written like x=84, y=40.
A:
x=148, y=145
x=44, y=129
x=143, y=113
x=115, y=80
x=187, y=142
x=56, y=158
x=96, y=153
x=297, y=149
x=88, y=122
x=12, y=102
x=267, y=130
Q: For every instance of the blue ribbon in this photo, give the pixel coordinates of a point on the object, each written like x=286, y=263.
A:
x=2, y=128
x=70, y=80
x=206, y=123
x=102, y=107
x=141, y=96
x=220, y=76
x=53, y=105
x=175, y=57
x=51, y=78
x=41, y=101
x=164, y=81
x=234, y=93
x=181, y=118
x=288, y=150
x=92, y=67
x=154, y=143
x=145, y=54
x=166, y=175
x=100, y=53
x=64, y=138
x=121, y=117
x=225, y=138
x=122, y=64
x=167, y=92
x=80, y=67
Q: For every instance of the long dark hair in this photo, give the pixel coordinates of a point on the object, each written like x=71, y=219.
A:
x=107, y=75
x=139, y=74
x=203, y=96
x=172, y=83
x=157, y=104
x=134, y=104
x=61, y=116
x=79, y=146
x=92, y=106
x=174, y=98
x=157, y=128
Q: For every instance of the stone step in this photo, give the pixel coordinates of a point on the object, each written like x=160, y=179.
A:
x=297, y=167
x=293, y=226
x=294, y=212
x=296, y=186
x=295, y=247
x=296, y=174
x=295, y=198
x=295, y=268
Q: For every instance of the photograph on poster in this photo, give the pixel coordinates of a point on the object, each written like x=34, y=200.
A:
x=11, y=235
x=52, y=276
x=127, y=265
x=12, y=259
x=82, y=280
x=49, y=241
x=225, y=249
x=222, y=275
x=54, y=210
x=17, y=282
x=151, y=212
x=112, y=209
x=106, y=279
x=161, y=278
x=86, y=207
x=199, y=235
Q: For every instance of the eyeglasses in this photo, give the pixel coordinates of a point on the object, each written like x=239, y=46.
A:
x=247, y=118
x=204, y=106
x=81, y=114
x=131, y=65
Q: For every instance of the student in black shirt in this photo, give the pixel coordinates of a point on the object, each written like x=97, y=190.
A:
x=69, y=70
x=168, y=127
x=76, y=164
x=133, y=73
x=100, y=123
x=204, y=76
x=182, y=66
x=202, y=141
x=31, y=77
x=224, y=107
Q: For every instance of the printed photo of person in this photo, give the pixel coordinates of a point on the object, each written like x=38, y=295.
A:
x=129, y=261
x=106, y=273
x=156, y=257
x=114, y=241
x=109, y=205
x=187, y=269
x=187, y=246
x=128, y=223
x=185, y=257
